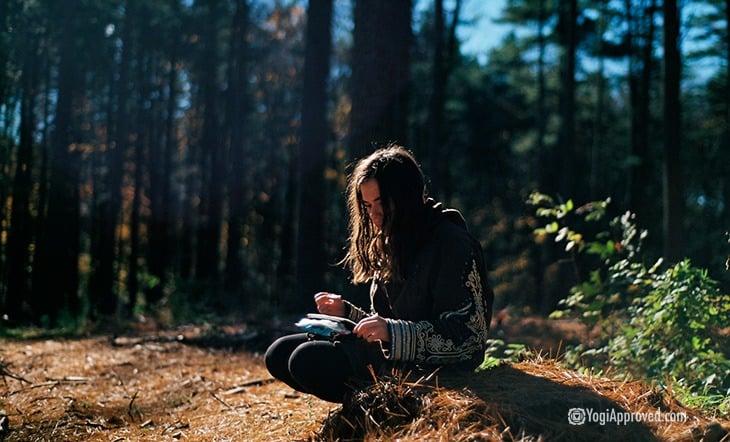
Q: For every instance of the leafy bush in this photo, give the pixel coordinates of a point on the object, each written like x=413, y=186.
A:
x=498, y=353
x=667, y=326
x=675, y=329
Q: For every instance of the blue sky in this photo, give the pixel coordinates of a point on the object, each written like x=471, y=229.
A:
x=481, y=36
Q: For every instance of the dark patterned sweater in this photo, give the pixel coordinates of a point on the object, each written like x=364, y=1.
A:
x=440, y=312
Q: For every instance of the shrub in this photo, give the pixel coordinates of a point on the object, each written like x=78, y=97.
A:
x=668, y=326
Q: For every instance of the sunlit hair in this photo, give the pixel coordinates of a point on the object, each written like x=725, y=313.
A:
x=385, y=253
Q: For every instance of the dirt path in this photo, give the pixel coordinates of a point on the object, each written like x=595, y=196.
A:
x=152, y=390
x=209, y=384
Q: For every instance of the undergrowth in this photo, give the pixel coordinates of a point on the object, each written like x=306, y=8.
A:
x=667, y=324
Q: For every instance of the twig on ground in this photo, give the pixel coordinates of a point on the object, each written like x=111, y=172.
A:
x=51, y=383
x=132, y=411
x=254, y=383
x=230, y=407
x=5, y=373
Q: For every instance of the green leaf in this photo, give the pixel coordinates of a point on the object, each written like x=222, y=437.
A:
x=557, y=314
x=562, y=234
x=696, y=344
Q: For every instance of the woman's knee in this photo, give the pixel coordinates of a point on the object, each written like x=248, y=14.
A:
x=277, y=355
x=322, y=369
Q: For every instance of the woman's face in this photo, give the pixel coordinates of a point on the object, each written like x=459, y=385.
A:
x=370, y=192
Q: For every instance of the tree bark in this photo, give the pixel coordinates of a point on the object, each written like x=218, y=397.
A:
x=312, y=260
x=673, y=183
x=105, y=256
x=56, y=277
x=214, y=170
x=161, y=225
x=726, y=184
x=380, y=74
x=17, y=278
x=237, y=127
x=640, y=73
x=568, y=153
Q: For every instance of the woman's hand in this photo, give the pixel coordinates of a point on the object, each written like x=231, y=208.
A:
x=330, y=304
x=373, y=328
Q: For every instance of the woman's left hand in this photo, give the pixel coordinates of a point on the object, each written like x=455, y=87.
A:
x=373, y=328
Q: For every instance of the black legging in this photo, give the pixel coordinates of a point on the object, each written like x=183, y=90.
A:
x=318, y=366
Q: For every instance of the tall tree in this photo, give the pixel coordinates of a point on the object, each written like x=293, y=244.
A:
x=640, y=48
x=9, y=16
x=568, y=154
x=380, y=74
x=56, y=270
x=16, y=276
x=312, y=258
x=444, y=57
x=213, y=157
x=102, y=291
x=673, y=182
x=161, y=225
x=541, y=108
x=8, y=10
x=237, y=124
x=435, y=136
x=598, y=130
x=726, y=184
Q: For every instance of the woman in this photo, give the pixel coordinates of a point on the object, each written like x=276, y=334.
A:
x=430, y=302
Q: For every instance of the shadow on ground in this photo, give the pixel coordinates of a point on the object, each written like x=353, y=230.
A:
x=526, y=401
x=531, y=405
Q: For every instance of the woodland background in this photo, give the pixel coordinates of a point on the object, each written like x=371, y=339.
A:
x=189, y=157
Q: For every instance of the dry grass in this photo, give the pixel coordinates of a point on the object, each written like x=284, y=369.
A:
x=524, y=401
x=151, y=390
x=161, y=387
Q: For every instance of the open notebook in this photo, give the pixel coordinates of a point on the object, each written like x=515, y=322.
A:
x=325, y=325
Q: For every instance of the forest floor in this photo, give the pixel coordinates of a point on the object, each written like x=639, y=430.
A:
x=208, y=383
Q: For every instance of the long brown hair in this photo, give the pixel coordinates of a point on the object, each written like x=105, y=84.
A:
x=385, y=253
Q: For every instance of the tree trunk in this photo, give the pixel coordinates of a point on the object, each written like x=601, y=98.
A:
x=380, y=74
x=541, y=117
x=237, y=126
x=597, y=145
x=56, y=277
x=726, y=183
x=640, y=179
x=20, y=234
x=312, y=259
x=568, y=152
x=214, y=170
x=6, y=6
x=673, y=183
x=435, y=142
x=144, y=127
x=160, y=221
x=102, y=294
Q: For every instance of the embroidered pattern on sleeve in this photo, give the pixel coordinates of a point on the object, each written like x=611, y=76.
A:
x=354, y=313
x=420, y=342
x=478, y=322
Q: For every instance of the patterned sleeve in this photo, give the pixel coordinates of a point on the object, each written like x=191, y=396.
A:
x=353, y=312
x=462, y=308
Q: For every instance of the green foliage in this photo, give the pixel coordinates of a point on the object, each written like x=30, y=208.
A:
x=666, y=326
x=674, y=330
x=498, y=353
x=607, y=289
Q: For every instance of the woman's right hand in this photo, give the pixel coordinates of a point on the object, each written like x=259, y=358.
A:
x=330, y=304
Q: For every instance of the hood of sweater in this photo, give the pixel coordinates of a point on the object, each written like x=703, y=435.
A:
x=437, y=212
